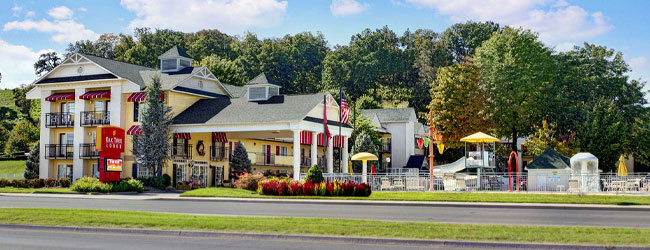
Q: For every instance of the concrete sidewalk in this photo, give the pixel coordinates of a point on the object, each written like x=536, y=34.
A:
x=176, y=197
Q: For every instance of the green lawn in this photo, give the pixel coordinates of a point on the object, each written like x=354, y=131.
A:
x=335, y=227
x=38, y=190
x=12, y=167
x=441, y=196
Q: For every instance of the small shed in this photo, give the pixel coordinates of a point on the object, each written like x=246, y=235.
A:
x=550, y=171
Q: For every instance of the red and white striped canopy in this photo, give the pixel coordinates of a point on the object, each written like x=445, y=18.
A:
x=219, y=137
x=134, y=130
x=182, y=136
x=96, y=94
x=137, y=97
x=320, y=140
x=305, y=137
x=60, y=96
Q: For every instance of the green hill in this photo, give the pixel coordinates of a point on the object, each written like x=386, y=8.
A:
x=7, y=98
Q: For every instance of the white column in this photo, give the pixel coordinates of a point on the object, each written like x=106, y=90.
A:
x=296, y=154
x=314, y=149
x=345, y=155
x=79, y=134
x=364, y=172
x=330, y=155
x=117, y=107
x=44, y=164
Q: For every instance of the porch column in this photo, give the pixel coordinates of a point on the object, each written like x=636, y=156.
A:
x=314, y=149
x=44, y=164
x=117, y=108
x=345, y=155
x=330, y=155
x=296, y=154
x=79, y=134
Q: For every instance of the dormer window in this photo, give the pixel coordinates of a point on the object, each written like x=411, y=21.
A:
x=261, y=88
x=169, y=65
x=174, y=59
x=257, y=94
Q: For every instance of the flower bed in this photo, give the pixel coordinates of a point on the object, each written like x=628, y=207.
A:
x=289, y=187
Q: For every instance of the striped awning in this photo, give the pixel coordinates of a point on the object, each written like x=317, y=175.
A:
x=182, y=136
x=60, y=96
x=134, y=130
x=306, y=137
x=137, y=97
x=320, y=140
x=219, y=137
x=337, y=141
x=96, y=94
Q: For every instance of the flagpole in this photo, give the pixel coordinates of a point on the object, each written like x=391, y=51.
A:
x=340, y=124
x=325, y=139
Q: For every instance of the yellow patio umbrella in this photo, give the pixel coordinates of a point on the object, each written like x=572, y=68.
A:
x=364, y=157
x=479, y=137
x=622, y=169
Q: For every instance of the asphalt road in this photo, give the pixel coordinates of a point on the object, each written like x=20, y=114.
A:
x=439, y=213
x=51, y=239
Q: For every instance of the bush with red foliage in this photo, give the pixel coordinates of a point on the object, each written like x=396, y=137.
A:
x=289, y=187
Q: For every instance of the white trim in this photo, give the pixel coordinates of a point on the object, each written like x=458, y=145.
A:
x=287, y=126
x=195, y=74
x=188, y=93
x=76, y=57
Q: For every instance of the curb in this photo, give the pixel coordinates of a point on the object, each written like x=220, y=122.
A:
x=356, y=240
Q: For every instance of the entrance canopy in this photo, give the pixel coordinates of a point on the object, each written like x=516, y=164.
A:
x=479, y=137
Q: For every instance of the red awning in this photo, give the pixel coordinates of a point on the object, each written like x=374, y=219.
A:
x=182, y=136
x=96, y=94
x=219, y=137
x=134, y=130
x=306, y=137
x=137, y=97
x=335, y=140
x=60, y=96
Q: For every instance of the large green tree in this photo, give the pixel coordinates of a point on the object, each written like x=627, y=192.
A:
x=603, y=133
x=23, y=104
x=225, y=70
x=462, y=39
x=104, y=46
x=46, y=62
x=515, y=68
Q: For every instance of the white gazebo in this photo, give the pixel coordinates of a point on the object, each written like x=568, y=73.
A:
x=584, y=170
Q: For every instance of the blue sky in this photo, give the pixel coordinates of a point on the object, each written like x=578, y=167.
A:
x=33, y=27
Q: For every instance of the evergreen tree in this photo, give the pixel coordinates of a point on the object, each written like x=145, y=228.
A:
x=315, y=174
x=153, y=145
x=363, y=143
x=32, y=163
x=240, y=159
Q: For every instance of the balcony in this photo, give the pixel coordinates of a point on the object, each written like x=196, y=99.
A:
x=59, y=151
x=385, y=146
x=262, y=159
x=87, y=151
x=218, y=153
x=182, y=151
x=95, y=118
x=59, y=120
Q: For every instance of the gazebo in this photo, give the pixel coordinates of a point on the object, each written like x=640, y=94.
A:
x=479, y=154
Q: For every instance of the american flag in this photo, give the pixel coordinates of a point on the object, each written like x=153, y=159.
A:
x=345, y=109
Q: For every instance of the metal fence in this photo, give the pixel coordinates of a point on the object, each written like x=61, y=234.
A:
x=502, y=182
x=12, y=176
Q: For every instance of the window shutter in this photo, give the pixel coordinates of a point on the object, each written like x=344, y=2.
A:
x=277, y=150
x=135, y=111
x=135, y=171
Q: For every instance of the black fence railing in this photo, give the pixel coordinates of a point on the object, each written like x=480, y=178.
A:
x=59, y=151
x=384, y=147
x=87, y=151
x=218, y=153
x=57, y=120
x=182, y=151
x=95, y=118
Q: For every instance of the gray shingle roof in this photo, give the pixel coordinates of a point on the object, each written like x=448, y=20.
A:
x=550, y=159
x=222, y=111
x=235, y=91
x=168, y=79
x=390, y=115
x=125, y=70
x=175, y=52
x=261, y=79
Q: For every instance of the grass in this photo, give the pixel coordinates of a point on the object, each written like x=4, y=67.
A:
x=441, y=196
x=12, y=167
x=39, y=190
x=333, y=227
x=7, y=98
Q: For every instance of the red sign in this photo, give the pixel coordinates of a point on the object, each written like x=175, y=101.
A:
x=110, y=139
x=114, y=165
x=110, y=144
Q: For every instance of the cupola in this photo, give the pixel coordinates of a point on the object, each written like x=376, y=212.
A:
x=261, y=88
x=174, y=59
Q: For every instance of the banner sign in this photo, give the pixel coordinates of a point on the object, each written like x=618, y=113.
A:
x=113, y=165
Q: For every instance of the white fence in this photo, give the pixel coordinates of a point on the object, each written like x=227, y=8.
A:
x=502, y=182
x=12, y=176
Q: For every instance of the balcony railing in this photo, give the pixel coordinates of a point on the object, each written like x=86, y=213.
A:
x=95, y=118
x=182, y=151
x=384, y=147
x=59, y=151
x=87, y=151
x=57, y=120
x=218, y=153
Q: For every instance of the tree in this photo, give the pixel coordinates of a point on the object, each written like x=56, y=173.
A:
x=22, y=137
x=515, y=67
x=458, y=103
x=543, y=138
x=363, y=143
x=32, y=163
x=240, y=161
x=604, y=133
x=315, y=174
x=4, y=137
x=24, y=105
x=462, y=39
x=153, y=146
x=104, y=46
x=225, y=70
x=46, y=63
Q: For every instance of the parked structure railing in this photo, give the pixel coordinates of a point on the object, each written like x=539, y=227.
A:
x=95, y=118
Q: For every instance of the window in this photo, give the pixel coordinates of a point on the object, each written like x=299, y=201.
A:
x=143, y=171
x=95, y=170
x=142, y=107
x=169, y=64
x=135, y=111
x=284, y=150
x=274, y=91
x=99, y=106
x=185, y=63
x=256, y=93
x=64, y=171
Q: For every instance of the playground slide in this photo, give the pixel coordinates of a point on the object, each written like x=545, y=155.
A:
x=450, y=168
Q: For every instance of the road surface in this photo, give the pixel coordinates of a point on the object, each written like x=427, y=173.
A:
x=438, y=213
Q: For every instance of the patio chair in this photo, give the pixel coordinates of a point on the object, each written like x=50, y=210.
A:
x=385, y=184
x=461, y=185
x=631, y=185
x=398, y=184
x=413, y=184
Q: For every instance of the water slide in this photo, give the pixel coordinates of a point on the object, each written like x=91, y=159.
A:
x=450, y=168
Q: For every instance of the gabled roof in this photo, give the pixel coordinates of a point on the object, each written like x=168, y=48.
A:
x=234, y=90
x=169, y=79
x=261, y=79
x=175, y=52
x=391, y=115
x=550, y=159
x=224, y=111
x=128, y=71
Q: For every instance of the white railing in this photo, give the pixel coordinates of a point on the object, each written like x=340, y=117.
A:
x=12, y=176
x=502, y=182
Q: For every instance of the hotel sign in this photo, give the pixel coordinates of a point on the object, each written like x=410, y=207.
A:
x=113, y=165
x=110, y=138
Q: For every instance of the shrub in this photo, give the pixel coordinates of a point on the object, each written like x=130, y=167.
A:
x=315, y=174
x=127, y=185
x=18, y=183
x=35, y=183
x=159, y=182
x=284, y=187
x=88, y=184
x=50, y=182
x=64, y=182
x=4, y=182
x=249, y=181
x=168, y=180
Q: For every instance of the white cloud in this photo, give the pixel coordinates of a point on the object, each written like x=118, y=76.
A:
x=60, y=12
x=637, y=64
x=17, y=64
x=82, y=9
x=225, y=15
x=347, y=7
x=16, y=10
x=564, y=47
x=64, y=31
x=556, y=21
x=30, y=13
